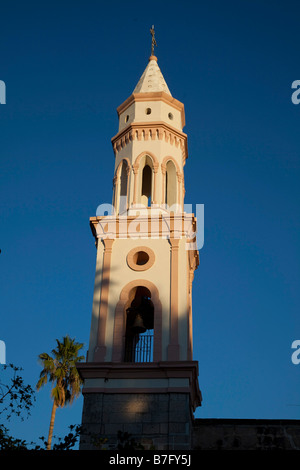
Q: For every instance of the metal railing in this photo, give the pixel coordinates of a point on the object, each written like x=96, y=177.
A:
x=139, y=348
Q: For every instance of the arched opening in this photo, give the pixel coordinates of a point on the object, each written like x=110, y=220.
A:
x=139, y=327
x=170, y=187
x=127, y=295
x=123, y=187
x=146, y=186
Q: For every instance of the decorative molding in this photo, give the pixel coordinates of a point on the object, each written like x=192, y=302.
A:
x=151, y=370
x=150, y=131
x=161, y=226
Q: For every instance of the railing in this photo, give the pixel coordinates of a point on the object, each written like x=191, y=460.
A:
x=139, y=348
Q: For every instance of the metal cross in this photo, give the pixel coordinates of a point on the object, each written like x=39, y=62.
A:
x=153, y=40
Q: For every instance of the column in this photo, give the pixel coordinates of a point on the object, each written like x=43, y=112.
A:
x=100, y=350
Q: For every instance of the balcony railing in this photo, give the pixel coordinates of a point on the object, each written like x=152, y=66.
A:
x=139, y=348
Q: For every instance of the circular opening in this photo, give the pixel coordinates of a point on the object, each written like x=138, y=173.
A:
x=148, y=111
x=126, y=118
x=140, y=258
x=170, y=115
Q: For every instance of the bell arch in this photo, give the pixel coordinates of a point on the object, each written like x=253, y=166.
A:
x=121, y=186
x=145, y=170
x=172, y=187
x=131, y=292
x=146, y=185
x=139, y=327
x=170, y=184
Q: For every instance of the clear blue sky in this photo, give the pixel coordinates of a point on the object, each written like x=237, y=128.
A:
x=67, y=67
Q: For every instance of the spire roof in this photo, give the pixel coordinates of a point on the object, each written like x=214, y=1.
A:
x=152, y=79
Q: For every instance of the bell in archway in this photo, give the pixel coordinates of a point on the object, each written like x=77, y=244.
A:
x=138, y=325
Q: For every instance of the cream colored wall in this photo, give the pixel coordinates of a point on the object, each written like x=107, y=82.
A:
x=96, y=300
x=130, y=112
x=160, y=110
x=121, y=275
x=183, y=300
x=158, y=274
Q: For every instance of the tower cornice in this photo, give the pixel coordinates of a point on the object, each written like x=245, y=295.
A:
x=110, y=371
x=155, y=130
x=163, y=226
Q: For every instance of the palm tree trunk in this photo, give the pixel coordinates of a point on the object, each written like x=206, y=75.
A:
x=54, y=407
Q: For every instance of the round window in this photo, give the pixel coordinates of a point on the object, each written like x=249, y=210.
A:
x=170, y=115
x=140, y=258
x=148, y=111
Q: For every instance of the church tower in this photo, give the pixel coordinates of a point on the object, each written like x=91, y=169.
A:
x=139, y=376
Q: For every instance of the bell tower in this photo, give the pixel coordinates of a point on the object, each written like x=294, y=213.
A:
x=139, y=376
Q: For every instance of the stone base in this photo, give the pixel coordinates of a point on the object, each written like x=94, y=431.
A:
x=158, y=421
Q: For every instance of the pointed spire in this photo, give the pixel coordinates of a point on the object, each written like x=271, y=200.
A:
x=152, y=79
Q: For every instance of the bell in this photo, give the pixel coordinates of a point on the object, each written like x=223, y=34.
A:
x=138, y=325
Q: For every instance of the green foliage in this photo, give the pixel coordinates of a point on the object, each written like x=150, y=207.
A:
x=15, y=396
x=68, y=441
x=60, y=370
x=8, y=442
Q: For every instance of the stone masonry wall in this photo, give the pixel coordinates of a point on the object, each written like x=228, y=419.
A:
x=246, y=434
x=162, y=421
x=159, y=421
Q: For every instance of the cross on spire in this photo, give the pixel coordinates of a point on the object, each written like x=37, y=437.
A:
x=153, y=40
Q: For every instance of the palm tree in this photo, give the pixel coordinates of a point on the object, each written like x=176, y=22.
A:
x=60, y=370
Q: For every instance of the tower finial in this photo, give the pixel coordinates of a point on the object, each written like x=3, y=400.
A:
x=153, y=40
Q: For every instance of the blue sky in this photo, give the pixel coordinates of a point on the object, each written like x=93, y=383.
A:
x=67, y=67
